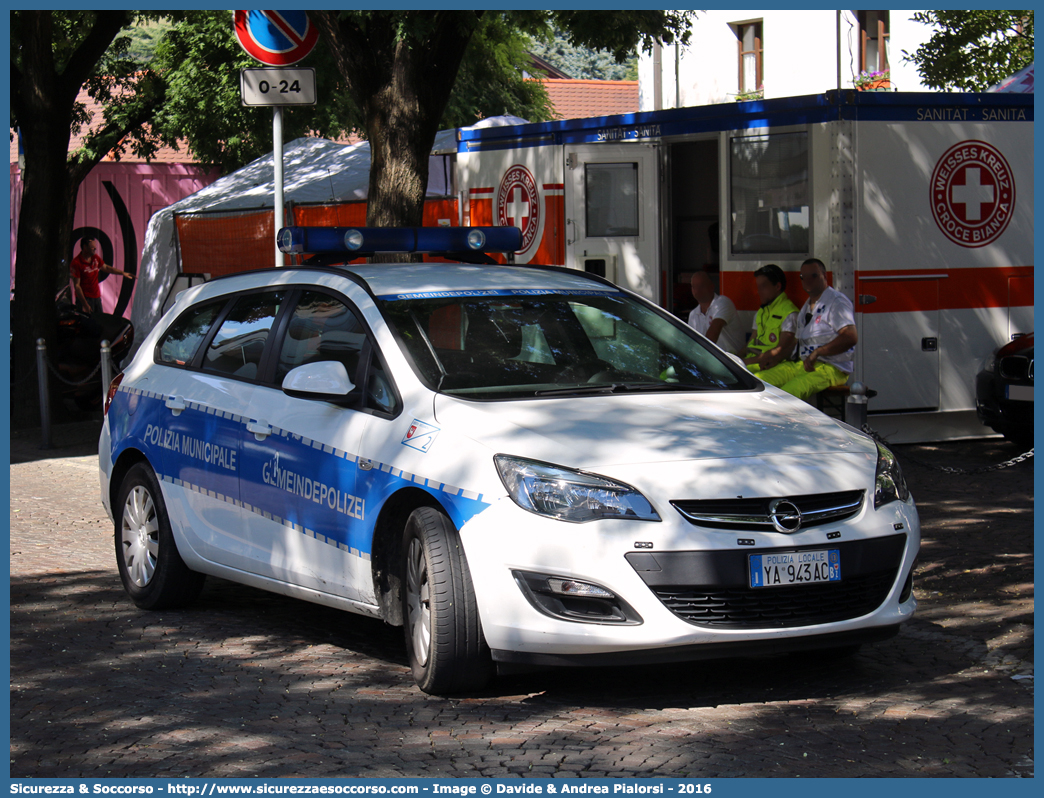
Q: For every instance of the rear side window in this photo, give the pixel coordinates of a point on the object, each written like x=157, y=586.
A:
x=239, y=343
x=178, y=346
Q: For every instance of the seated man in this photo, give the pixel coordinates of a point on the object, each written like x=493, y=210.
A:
x=826, y=338
x=714, y=316
x=774, y=324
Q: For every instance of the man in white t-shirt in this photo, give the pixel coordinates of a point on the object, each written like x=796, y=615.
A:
x=715, y=316
x=826, y=338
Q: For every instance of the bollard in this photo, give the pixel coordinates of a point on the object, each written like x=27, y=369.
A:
x=45, y=399
x=855, y=409
x=106, y=371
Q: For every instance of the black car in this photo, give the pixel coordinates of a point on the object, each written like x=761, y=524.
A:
x=1004, y=391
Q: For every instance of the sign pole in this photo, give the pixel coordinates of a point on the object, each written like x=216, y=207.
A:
x=277, y=163
x=278, y=39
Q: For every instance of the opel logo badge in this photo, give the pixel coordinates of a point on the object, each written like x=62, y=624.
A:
x=785, y=516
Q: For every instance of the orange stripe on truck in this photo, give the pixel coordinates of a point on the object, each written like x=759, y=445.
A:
x=905, y=290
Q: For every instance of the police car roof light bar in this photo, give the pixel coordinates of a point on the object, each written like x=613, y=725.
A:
x=357, y=240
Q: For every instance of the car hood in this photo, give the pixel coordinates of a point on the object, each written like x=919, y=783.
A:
x=590, y=432
x=1023, y=345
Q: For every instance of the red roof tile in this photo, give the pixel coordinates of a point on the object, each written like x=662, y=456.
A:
x=571, y=99
x=579, y=99
x=94, y=109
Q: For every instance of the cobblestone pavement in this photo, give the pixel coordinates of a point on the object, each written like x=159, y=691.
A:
x=245, y=683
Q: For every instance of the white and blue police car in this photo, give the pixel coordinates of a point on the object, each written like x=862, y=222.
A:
x=520, y=465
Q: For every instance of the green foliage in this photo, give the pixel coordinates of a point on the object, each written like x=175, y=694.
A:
x=200, y=60
x=973, y=50
x=490, y=81
x=583, y=63
x=621, y=32
x=145, y=36
x=115, y=78
x=200, y=52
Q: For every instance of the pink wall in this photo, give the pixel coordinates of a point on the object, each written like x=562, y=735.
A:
x=114, y=205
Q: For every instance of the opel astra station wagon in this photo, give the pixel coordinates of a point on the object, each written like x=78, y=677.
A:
x=521, y=465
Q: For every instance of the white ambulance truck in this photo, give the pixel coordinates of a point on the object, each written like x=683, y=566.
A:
x=921, y=205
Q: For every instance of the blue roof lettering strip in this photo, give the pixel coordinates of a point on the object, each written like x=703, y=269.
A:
x=759, y=114
x=607, y=291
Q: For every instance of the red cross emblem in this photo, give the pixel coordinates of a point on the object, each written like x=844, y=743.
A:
x=518, y=204
x=972, y=193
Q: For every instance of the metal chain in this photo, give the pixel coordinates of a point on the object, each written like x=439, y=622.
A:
x=950, y=469
x=84, y=381
x=31, y=373
x=984, y=469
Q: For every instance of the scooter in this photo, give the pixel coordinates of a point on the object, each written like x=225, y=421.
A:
x=78, y=350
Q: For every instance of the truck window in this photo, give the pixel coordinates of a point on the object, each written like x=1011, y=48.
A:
x=611, y=199
x=769, y=194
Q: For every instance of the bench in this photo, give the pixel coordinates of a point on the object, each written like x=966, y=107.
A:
x=834, y=400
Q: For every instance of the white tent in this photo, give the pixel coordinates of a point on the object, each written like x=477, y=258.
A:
x=1019, y=83
x=315, y=171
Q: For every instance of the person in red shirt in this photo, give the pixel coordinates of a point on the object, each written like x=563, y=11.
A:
x=84, y=271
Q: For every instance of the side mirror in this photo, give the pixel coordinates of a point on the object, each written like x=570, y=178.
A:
x=325, y=381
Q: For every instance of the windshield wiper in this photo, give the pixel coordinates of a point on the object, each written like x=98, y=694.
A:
x=616, y=387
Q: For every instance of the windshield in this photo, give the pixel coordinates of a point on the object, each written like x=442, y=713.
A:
x=525, y=343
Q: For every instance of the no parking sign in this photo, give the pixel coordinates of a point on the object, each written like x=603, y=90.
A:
x=276, y=38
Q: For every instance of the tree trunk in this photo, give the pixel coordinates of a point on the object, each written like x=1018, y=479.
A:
x=43, y=99
x=402, y=82
x=45, y=138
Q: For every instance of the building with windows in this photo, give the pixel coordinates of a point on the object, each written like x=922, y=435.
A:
x=741, y=55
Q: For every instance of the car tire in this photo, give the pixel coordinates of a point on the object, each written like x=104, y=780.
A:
x=444, y=640
x=152, y=571
x=1021, y=438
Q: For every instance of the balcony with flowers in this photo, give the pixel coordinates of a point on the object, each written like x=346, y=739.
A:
x=873, y=81
x=754, y=94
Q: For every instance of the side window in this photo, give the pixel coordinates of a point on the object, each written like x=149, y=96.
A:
x=751, y=78
x=380, y=395
x=873, y=43
x=178, y=346
x=240, y=341
x=324, y=328
x=321, y=328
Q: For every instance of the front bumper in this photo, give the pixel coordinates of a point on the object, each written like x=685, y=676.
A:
x=702, y=651
x=677, y=577
x=995, y=410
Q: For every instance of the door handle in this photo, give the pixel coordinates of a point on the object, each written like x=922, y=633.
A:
x=261, y=429
x=176, y=404
x=867, y=299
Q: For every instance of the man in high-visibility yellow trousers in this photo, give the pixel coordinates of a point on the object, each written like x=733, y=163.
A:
x=772, y=341
x=826, y=338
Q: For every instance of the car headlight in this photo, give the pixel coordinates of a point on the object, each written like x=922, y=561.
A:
x=569, y=495
x=990, y=364
x=889, y=484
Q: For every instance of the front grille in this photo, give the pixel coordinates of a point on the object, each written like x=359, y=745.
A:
x=769, y=608
x=754, y=514
x=1016, y=367
x=712, y=588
